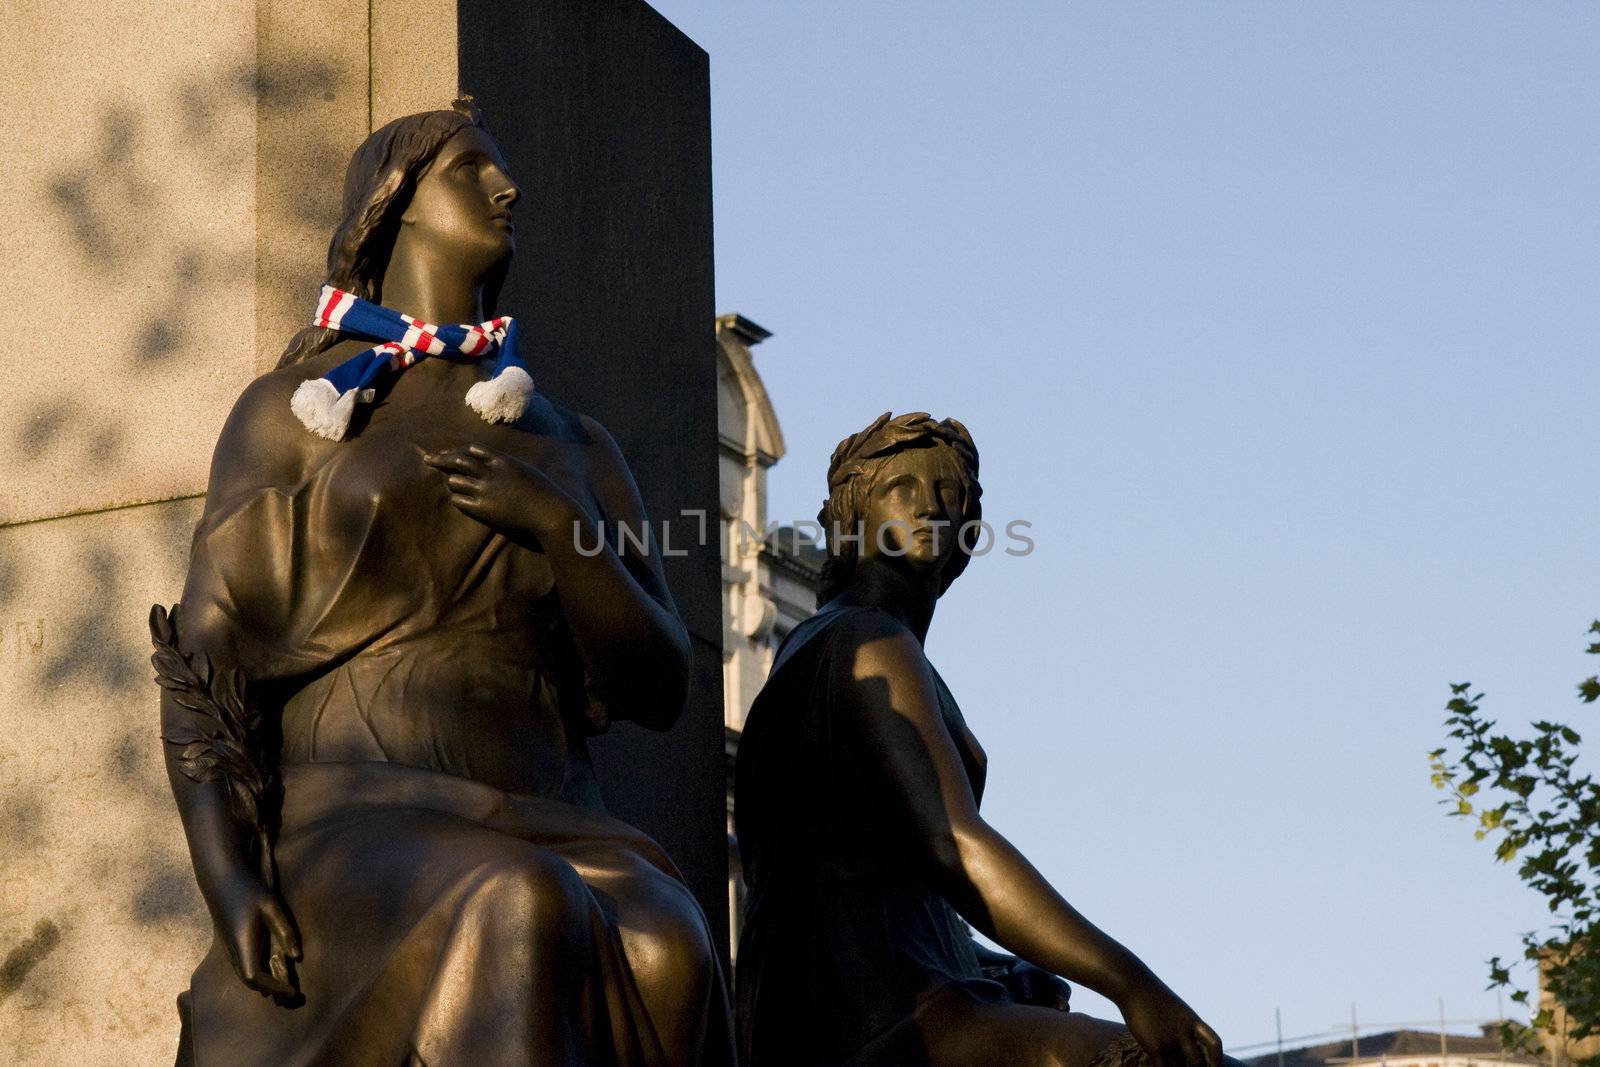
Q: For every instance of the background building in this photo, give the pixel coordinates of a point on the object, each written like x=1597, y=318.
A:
x=770, y=569
x=1401, y=1048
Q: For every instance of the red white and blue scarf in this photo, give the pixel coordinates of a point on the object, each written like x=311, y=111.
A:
x=326, y=404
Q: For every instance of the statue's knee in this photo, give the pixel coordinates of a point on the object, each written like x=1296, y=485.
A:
x=673, y=950
x=538, y=899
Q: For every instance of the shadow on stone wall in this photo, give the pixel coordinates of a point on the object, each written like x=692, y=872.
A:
x=140, y=237
x=97, y=845
x=24, y=957
x=143, y=237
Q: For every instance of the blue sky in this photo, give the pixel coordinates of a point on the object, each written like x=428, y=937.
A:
x=1279, y=324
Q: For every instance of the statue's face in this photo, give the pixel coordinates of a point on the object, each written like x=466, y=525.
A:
x=913, y=513
x=463, y=201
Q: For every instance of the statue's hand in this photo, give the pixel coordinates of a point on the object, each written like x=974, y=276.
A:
x=1026, y=983
x=259, y=936
x=1036, y=986
x=1168, y=1030
x=503, y=492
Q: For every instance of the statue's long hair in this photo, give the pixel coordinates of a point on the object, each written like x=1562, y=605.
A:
x=378, y=186
x=853, y=472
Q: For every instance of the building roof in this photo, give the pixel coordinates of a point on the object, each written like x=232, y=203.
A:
x=746, y=421
x=748, y=332
x=797, y=550
x=1392, y=1044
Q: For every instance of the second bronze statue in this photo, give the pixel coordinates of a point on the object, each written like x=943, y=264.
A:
x=856, y=798
x=396, y=578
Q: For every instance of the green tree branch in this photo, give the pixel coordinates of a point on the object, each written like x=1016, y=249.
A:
x=1524, y=794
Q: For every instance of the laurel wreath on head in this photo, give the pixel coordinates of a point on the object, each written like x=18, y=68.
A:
x=223, y=742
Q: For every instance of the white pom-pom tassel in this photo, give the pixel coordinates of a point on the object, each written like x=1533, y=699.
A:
x=319, y=406
x=502, y=398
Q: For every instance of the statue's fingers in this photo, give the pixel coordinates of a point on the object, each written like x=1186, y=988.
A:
x=283, y=928
x=248, y=966
x=278, y=964
x=452, y=459
x=1063, y=995
x=255, y=952
x=469, y=505
x=465, y=484
x=1042, y=989
x=271, y=984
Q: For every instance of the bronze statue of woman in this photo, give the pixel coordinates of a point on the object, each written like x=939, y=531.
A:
x=857, y=791
x=398, y=556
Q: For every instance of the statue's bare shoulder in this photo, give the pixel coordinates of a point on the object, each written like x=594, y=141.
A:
x=262, y=442
x=876, y=662
x=610, y=477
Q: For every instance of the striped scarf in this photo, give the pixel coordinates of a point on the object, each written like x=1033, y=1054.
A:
x=326, y=404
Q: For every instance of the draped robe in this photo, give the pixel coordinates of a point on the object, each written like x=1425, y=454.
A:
x=441, y=822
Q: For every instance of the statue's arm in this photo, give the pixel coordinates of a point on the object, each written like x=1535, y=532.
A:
x=884, y=694
x=633, y=642
x=629, y=634
x=250, y=919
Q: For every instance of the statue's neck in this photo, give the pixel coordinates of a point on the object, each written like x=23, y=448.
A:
x=908, y=597
x=426, y=288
